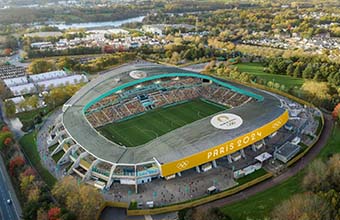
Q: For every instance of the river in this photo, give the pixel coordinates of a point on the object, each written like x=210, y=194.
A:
x=98, y=24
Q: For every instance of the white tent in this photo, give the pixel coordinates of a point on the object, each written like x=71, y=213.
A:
x=263, y=157
x=23, y=89
x=73, y=79
x=47, y=76
x=16, y=81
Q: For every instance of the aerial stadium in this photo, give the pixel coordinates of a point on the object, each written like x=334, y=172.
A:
x=145, y=121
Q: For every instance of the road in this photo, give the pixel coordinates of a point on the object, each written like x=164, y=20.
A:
x=15, y=59
x=7, y=211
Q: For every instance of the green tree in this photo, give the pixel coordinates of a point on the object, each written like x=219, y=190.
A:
x=40, y=66
x=308, y=72
x=10, y=108
x=316, y=176
x=65, y=62
x=33, y=101
x=10, y=42
x=290, y=70
x=82, y=199
x=316, y=91
x=4, y=92
x=297, y=71
x=302, y=206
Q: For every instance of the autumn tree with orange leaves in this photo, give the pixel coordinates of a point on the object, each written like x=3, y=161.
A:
x=336, y=112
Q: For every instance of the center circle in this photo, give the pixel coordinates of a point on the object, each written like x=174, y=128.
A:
x=226, y=121
x=136, y=74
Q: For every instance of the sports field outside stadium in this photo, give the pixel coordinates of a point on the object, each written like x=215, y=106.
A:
x=152, y=124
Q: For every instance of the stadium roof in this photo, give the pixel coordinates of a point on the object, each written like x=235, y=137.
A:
x=184, y=141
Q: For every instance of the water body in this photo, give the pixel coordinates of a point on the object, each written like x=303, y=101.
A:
x=98, y=24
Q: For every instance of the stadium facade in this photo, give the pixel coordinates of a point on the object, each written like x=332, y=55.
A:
x=134, y=89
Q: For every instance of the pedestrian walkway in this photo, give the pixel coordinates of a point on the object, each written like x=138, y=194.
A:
x=148, y=217
x=42, y=146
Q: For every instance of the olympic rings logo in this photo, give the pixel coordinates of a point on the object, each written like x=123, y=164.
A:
x=277, y=124
x=183, y=164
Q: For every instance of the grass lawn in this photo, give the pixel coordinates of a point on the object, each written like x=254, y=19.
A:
x=52, y=148
x=56, y=157
x=143, y=128
x=28, y=144
x=319, y=126
x=252, y=176
x=303, y=147
x=30, y=115
x=333, y=144
x=68, y=166
x=261, y=204
x=28, y=118
x=257, y=69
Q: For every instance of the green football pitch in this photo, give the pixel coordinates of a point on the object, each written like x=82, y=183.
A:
x=154, y=123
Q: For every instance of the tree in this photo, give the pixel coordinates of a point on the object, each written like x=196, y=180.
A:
x=65, y=62
x=89, y=203
x=33, y=101
x=210, y=66
x=336, y=112
x=297, y=71
x=30, y=210
x=40, y=66
x=58, y=96
x=316, y=176
x=82, y=199
x=308, y=72
x=54, y=213
x=333, y=170
x=15, y=163
x=7, y=141
x=270, y=84
x=317, y=91
x=185, y=214
x=33, y=193
x=10, y=108
x=29, y=172
x=42, y=215
x=175, y=57
x=26, y=183
x=63, y=188
x=283, y=87
x=290, y=69
x=10, y=42
x=7, y=51
x=3, y=136
x=302, y=206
